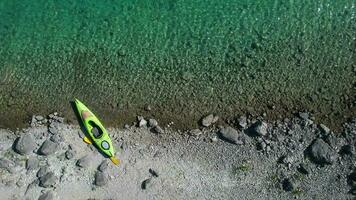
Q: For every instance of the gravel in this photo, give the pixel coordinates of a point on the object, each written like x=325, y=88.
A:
x=48, y=147
x=25, y=144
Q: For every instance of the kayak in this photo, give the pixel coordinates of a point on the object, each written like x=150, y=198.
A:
x=96, y=132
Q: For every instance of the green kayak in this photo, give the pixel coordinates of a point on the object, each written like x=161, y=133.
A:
x=98, y=134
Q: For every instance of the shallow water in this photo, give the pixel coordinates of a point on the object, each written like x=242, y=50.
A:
x=183, y=58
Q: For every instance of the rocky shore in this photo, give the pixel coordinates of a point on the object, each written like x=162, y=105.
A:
x=244, y=158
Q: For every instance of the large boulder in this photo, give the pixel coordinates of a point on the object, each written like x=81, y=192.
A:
x=48, y=147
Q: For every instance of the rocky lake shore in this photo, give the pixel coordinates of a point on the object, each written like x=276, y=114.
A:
x=244, y=158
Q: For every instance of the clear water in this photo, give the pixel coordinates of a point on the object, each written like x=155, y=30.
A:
x=183, y=58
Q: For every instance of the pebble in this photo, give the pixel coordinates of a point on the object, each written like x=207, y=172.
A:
x=42, y=171
x=7, y=164
x=25, y=144
x=230, y=134
x=146, y=183
x=260, y=128
x=209, y=120
x=152, y=123
x=321, y=153
x=84, y=162
x=48, y=180
x=47, y=196
x=242, y=121
x=32, y=163
x=48, y=147
x=100, y=179
x=103, y=166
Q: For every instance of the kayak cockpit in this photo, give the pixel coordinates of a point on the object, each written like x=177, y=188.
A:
x=95, y=130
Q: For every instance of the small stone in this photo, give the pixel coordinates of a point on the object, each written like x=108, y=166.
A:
x=214, y=139
x=321, y=153
x=48, y=180
x=195, y=132
x=48, y=147
x=69, y=154
x=100, y=179
x=7, y=164
x=324, y=128
x=141, y=121
x=42, y=171
x=287, y=184
x=39, y=118
x=304, y=115
x=84, y=162
x=53, y=130
x=103, y=166
x=25, y=144
x=32, y=163
x=153, y=172
x=209, y=120
x=146, y=183
x=47, y=196
x=152, y=123
x=230, y=134
x=126, y=126
x=242, y=121
x=158, y=130
x=260, y=128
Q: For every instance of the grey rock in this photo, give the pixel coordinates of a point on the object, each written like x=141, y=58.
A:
x=69, y=154
x=100, y=179
x=195, y=132
x=242, y=121
x=324, y=128
x=42, y=171
x=32, y=163
x=25, y=144
x=260, y=128
x=152, y=123
x=209, y=120
x=321, y=153
x=21, y=182
x=7, y=164
x=84, y=162
x=103, y=166
x=47, y=196
x=48, y=147
x=146, y=183
x=48, y=180
x=53, y=130
x=57, y=138
x=230, y=134
x=158, y=129
x=141, y=121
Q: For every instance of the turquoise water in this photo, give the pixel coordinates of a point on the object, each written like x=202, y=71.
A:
x=183, y=58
